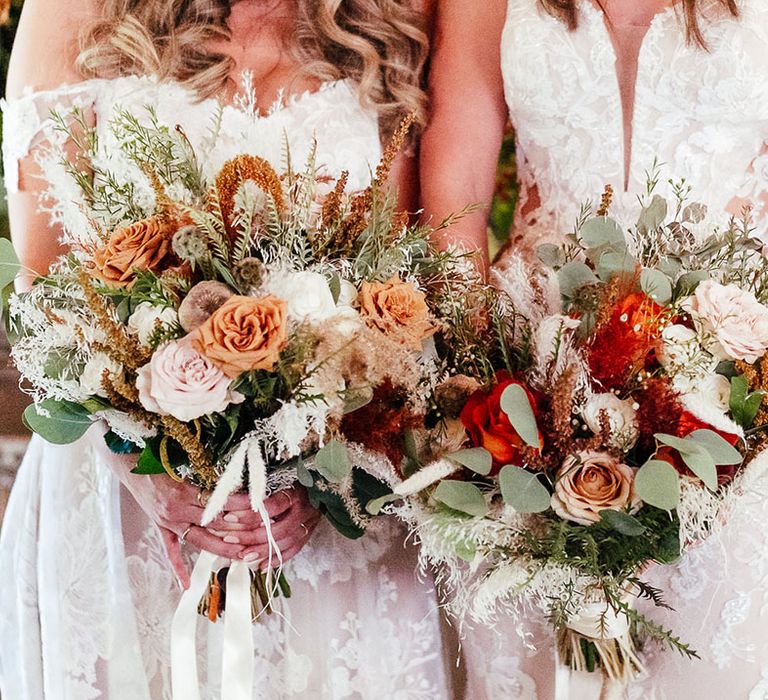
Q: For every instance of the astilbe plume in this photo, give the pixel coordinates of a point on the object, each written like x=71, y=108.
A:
x=659, y=410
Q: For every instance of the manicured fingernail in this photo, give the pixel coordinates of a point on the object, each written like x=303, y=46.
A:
x=250, y=558
x=231, y=539
x=230, y=518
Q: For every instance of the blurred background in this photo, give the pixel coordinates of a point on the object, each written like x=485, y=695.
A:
x=13, y=434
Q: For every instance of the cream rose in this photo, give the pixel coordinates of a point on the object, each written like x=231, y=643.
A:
x=590, y=482
x=736, y=320
x=307, y=295
x=143, y=321
x=93, y=372
x=180, y=382
x=622, y=419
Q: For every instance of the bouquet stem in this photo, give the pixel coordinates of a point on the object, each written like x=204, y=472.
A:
x=265, y=587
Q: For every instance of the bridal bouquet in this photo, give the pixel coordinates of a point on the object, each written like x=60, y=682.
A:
x=241, y=333
x=616, y=430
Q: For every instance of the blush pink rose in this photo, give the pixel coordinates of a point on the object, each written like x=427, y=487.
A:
x=737, y=321
x=180, y=382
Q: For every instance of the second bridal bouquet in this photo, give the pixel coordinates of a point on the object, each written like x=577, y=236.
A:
x=619, y=424
x=229, y=331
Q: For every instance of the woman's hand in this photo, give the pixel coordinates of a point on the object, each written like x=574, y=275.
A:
x=292, y=517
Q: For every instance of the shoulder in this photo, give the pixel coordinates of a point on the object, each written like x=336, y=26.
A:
x=47, y=42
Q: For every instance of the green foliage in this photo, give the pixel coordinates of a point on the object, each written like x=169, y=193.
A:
x=523, y=490
x=58, y=422
x=461, y=496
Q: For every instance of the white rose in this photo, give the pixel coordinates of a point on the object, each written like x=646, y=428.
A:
x=90, y=378
x=143, y=320
x=736, y=320
x=347, y=294
x=307, y=294
x=622, y=419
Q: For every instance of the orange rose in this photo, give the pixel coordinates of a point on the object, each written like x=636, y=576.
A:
x=489, y=427
x=145, y=245
x=590, y=482
x=244, y=334
x=397, y=309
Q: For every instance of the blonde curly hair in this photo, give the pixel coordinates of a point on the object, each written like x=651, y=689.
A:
x=380, y=44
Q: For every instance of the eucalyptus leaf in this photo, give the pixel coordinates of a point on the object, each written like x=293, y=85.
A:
x=356, y=399
x=523, y=491
x=9, y=263
x=612, y=264
x=574, y=275
x=722, y=452
x=465, y=551
x=687, y=283
x=332, y=462
x=65, y=423
x=551, y=255
x=517, y=407
x=695, y=456
x=374, y=507
x=652, y=217
x=602, y=231
x=656, y=285
x=694, y=213
x=478, y=459
x=461, y=496
x=622, y=522
x=657, y=483
x=303, y=474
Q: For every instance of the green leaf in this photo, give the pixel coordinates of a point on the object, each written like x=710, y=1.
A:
x=119, y=445
x=721, y=450
x=523, y=491
x=656, y=285
x=355, y=399
x=461, y=496
x=573, y=276
x=687, y=283
x=302, y=474
x=551, y=255
x=465, y=551
x=602, y=231
x=332, y=462
x=668, y=550
x=652, y=217
x=9, y=263
x=334, y=284
x=695, y=456
x=65, y=423
x=517, y=407
x=149, y=462
x=614, y=264
x=478, y=459
x=657, y=483
x=622, y=522
x=374, y=507
x=744, y=406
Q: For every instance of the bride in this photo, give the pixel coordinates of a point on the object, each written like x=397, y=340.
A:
x=90, y=553
x=596, y=92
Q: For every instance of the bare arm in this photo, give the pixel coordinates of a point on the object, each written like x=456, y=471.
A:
x=460, y=147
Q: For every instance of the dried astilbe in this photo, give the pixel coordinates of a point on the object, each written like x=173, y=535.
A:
x=605, y=201
x=239, y=170
x=757, y=379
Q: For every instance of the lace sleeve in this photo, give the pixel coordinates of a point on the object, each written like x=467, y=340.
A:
x=27, y=121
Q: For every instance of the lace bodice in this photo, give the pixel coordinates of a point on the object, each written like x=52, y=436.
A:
x=703, y=115
x=346, y=135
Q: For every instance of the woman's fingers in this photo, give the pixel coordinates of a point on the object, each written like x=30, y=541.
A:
x=203, y=539
x=173, y=549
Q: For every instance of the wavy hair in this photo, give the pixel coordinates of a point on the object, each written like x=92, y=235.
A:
x=380, y=44
x=567, y=11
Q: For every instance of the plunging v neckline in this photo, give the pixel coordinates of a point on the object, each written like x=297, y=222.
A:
x=628, y=110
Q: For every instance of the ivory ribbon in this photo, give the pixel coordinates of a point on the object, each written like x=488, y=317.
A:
x=184, y=678
x=237, y=661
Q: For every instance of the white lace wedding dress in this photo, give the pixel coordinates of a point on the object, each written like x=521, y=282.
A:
x=704, y=115
x=86, y=593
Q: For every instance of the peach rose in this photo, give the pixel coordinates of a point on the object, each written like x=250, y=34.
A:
x=590, y=482
x=398, y=309
x=145, y=245
x=244, y=334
